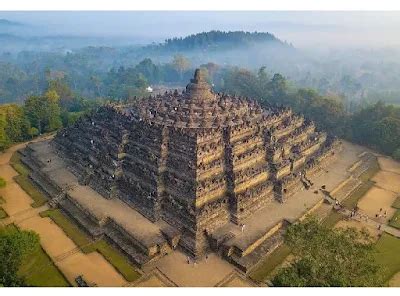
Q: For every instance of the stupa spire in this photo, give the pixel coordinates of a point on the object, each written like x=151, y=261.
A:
x=198, y=89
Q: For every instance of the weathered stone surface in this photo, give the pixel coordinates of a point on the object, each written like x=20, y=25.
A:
x=197, y=160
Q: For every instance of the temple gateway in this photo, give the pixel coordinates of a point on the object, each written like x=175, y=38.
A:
x=181, y=170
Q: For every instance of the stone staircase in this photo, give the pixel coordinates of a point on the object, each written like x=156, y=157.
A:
x=245, y=254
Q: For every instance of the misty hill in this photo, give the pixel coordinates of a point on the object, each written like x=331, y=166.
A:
x=237, y=48
x=6, y=24
x=218, y=40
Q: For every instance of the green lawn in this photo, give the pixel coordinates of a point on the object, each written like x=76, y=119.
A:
x=332, y=219
x=370, y=172
x=70, y=229
x=396, y=203
x=113, y=256
x=3, y=183
x=26, y=184
x=117, y=260
x=270, y=263
x=395, y=220
x=39, y=270
x=16, y=163
x=3, y=213
x=388, y=248
x=39, y=199
x=352, y=200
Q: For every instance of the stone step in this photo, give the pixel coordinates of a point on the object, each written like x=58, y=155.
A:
x=248, y=262
x=137, y=256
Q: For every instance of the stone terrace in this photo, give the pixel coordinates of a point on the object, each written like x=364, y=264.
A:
x=98, y=208
x=257, y=226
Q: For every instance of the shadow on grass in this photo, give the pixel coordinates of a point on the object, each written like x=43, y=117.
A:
x=87, y=245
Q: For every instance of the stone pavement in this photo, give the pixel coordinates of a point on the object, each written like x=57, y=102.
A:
x=60, y=248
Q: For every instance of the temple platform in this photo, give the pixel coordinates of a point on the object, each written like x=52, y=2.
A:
x=247, y=244
x=244, y=245
x=99, y=216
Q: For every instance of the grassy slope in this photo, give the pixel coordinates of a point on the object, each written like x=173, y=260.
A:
x=39, y=270
x=396, y=203
x=117, y=260
x=3, y=213
x=388, y=248
x=25, y=183
x=395, y=220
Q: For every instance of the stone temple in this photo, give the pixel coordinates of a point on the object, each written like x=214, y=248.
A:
x=193, y=164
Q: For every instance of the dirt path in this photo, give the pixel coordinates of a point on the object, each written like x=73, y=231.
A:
x=62, y=250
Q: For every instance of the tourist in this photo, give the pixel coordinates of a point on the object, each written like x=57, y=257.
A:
x=188, y=260
x=243, y=226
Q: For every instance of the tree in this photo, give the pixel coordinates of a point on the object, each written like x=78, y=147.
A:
x=54, y=111
x=326, y=257
x=278, y=86
x=15, y=247
x=396, y=154
x=44, y=111
x=14, y=126
x=387, y=131
x=181, y=64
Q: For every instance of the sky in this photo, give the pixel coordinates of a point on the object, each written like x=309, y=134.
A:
x=302, y=29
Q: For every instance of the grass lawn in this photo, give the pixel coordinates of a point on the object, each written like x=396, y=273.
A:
x=351, y=201
x=39, y=270
x=370, y=172
x=3, y=213
x=388, y=248
x=117, y=260
x=38, y=197
x=16, y=163
x=113, y=256
x=396, y=203
x=332, y=219
x=70, y=229
x=3, y=183
x=270, y=263
x=395, y=220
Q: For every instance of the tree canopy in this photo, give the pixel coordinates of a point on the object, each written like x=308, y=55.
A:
x=326, y=257
x=15, y=246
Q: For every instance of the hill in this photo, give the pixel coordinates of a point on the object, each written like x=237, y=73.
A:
x=219, y=39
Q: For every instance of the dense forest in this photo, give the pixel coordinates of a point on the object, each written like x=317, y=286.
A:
x=44, y=90
x=360, y=76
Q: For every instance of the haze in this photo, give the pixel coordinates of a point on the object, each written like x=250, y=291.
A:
x=303, y=29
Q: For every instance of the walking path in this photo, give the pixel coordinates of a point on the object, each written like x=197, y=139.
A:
x=361, y=217
x=62, y=250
